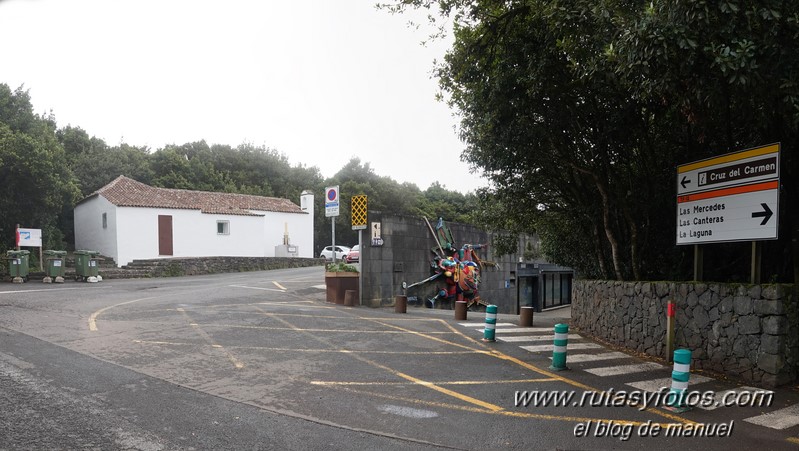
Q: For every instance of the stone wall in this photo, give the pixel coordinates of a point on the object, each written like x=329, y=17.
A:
x=166, y=267
x=750, y=333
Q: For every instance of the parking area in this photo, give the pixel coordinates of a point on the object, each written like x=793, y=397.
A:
x=268, y=339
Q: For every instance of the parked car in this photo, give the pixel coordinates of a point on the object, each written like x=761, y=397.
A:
x=341, y=252
x=354, y=254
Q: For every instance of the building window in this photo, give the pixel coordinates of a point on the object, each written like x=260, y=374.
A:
x=223, y=227
x=105, y=220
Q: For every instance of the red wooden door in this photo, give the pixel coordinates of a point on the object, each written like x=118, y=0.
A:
x=164, y=235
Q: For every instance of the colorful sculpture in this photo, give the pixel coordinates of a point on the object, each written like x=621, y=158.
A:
x=458, y=269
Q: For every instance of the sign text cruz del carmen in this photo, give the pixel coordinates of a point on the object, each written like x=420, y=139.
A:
x=733, y=197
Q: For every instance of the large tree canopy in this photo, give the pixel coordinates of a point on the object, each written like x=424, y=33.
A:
x=35, y=182
x=580, y=111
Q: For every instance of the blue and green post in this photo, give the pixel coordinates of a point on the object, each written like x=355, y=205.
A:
x=559, y=350
x=679, y=381
x=489, y=332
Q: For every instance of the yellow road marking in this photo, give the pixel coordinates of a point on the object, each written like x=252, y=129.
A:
x=491, y=382
x=297, y=329
x=399, y=374
x=503, y=356
x=510, y=413
x=345, y=351
x=236, y=362
x=279, y=286
x=793, y=440
x=93, y=317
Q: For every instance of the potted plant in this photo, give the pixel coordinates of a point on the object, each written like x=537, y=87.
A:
x=340, y=277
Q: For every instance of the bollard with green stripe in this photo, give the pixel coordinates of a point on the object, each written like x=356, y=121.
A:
x=675, y=400
x=491, y=323
x=559, y=351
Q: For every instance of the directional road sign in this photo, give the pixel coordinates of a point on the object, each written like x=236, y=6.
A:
x=733, y=197
x=748, y=166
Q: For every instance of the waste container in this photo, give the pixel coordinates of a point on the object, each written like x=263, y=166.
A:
x=18, y=265
x=55, y=266
x=86, y=264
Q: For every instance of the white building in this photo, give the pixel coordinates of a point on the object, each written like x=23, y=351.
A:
x=129, y=220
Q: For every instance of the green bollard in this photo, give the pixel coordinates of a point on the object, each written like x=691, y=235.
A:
x=559, y=350
x=491, y=323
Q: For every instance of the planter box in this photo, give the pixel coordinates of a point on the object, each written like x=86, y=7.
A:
x=337, y=283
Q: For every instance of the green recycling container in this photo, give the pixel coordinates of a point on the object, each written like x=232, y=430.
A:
x=55, y=263
x=18, y=263
x=86, y=264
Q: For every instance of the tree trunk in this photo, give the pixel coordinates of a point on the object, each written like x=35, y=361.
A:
x=598, y=249
x=634, y=263
x=614, y=244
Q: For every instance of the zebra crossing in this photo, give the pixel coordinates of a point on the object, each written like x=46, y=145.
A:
x=532, y=339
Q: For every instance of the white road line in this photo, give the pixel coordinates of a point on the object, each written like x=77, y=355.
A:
x=541, y=348
x=624, y=369
x=258, y=288
x=779, y=419
x=579, y=358
x=523, y=330
x=55, y=289
x=655, y=385
x=516, y=339
x=320, y=287
x=718, y=397
x=483, y=323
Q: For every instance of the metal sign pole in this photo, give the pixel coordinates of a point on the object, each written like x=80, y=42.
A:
x=360, y=263
x=756, y=260
x=333, y=222
x=698, y=263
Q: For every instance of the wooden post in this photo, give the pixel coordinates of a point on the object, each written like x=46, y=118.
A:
x=698, y=263
x=757, y=254
x=670, y=317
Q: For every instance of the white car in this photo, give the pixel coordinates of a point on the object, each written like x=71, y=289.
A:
x=341, y=252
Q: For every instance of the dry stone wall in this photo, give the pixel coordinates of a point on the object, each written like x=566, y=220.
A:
x=748, y=332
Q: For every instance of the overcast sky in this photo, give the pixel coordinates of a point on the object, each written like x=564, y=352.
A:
x=320, y=81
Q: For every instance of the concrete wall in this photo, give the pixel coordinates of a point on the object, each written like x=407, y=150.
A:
x=300, y=227
x=194, y=234
x=405, y=257
x=169, y=267
x=89, y=231
x=748, y=332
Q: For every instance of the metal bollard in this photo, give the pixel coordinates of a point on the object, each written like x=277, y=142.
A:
x=460, y=310
x=526, y=317
x=675, y=400
x=400, y=304
x=559, y=350
x=491, y=323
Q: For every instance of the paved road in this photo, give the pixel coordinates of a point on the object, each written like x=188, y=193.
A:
x=260, y=361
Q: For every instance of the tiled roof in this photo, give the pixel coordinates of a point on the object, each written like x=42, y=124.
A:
x=125, y=192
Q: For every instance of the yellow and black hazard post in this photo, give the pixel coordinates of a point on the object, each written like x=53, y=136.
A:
x=359, y=213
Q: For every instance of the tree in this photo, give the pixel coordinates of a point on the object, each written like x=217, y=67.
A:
x=35, y=181
x=581, y=111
